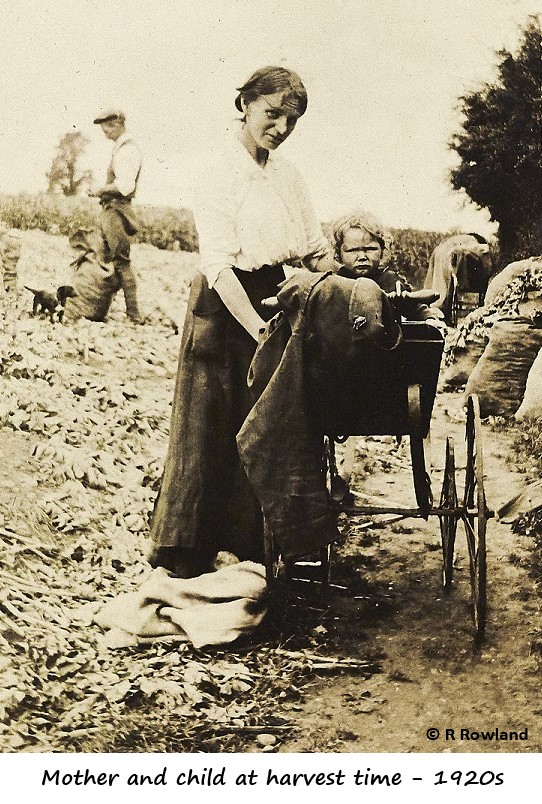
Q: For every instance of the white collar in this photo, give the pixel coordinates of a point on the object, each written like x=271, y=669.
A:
x=244, y=154
x=124, y=137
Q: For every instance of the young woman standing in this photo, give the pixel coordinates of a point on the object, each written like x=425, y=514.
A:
x=254, y=217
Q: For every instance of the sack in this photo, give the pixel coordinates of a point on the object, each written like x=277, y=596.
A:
x=95, y=284
x=500, y=376
x=465, y=360
x=531, y=407
x=504, y=278
x=95, y=281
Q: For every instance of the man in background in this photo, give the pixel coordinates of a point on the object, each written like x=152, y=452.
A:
x=118, y=220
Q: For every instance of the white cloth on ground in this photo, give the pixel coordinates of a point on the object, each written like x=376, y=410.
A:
x=212, y=609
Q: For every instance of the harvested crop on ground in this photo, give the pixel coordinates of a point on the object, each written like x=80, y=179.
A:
x=520, y=296
x=85, y=412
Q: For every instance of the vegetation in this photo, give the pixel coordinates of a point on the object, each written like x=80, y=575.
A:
x=174, y=229
x=527, y=445
x=58, y=214
x=410, y=252
x=64, y=176
x=82, y=537
x=84, y=419
x=500, y=148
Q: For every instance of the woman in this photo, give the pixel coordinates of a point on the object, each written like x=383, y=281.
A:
x=253, y=216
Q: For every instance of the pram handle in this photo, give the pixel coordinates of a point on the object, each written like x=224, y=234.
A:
x=403, y=296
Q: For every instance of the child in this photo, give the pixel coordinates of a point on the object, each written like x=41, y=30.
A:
x=361, y=243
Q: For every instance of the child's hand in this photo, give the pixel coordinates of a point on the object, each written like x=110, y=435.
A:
x=438, y=323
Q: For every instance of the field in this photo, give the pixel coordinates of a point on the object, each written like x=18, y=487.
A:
x=85, y=413
x=173, y=229
x=162, y=227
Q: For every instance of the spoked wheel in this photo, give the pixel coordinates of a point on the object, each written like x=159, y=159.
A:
x=448, y=521
x=422, y=481
x=455, y=303
x=475, y=515
x=451, y=304
x=316, y=568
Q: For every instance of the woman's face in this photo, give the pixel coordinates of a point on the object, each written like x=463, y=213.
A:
x=361, y=253
x=269, y=121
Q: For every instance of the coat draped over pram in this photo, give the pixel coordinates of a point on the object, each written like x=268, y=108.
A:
x=300, y=377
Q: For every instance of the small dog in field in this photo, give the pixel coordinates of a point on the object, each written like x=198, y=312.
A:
x=47, y=302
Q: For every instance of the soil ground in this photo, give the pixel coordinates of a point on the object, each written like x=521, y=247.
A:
x=433, y=674
x=393, y=611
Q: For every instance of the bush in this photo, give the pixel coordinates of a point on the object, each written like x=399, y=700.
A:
x=410, y=252
x=168, y=228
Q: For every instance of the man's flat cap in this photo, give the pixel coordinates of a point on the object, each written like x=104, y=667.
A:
x=109, y=114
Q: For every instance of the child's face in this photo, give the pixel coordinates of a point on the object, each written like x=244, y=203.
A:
x=360, y=253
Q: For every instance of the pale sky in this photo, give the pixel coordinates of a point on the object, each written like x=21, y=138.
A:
x=383, y=78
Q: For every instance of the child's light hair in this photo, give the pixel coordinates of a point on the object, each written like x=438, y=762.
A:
x=360, y=219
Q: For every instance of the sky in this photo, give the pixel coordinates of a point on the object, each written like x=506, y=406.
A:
x=383, y=79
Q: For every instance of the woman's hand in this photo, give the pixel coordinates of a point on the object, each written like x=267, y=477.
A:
x=322, y=263
x=271, y=303
x=236, y=300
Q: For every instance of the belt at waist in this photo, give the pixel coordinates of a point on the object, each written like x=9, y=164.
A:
x=261, y=284
x=108, y=198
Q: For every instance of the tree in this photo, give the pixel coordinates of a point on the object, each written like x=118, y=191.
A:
x=500, y=147
x=63, y=174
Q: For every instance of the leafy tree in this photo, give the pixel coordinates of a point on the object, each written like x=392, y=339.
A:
x=500, y=146
x=63, y=174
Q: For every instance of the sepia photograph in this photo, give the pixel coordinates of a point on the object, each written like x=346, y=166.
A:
x=271, y=387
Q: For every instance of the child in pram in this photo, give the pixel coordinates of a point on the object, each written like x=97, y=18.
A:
x=361, y=248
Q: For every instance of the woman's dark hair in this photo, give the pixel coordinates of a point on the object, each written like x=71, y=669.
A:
x=267, y=81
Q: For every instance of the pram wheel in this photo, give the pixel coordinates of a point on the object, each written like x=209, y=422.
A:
x=448, y=517
x=422, y=481
x=476, y=514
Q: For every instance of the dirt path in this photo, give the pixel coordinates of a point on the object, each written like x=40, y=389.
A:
x=432, y=676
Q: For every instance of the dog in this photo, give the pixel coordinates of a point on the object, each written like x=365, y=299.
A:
x=63, y=293
x=51, y=303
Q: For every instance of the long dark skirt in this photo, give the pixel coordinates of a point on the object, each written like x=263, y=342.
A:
x=205, y=501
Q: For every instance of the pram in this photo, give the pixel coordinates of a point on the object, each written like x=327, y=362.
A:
x=394, y=395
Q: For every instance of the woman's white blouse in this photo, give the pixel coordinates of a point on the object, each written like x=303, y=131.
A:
x=248, y=216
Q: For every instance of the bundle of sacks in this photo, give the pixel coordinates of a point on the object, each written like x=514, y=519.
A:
x=495, y=352
x=95, y=281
